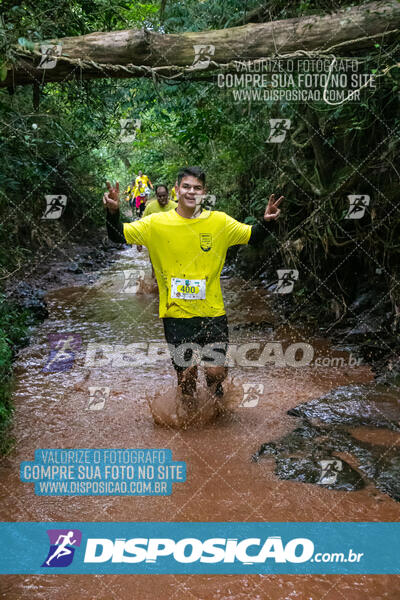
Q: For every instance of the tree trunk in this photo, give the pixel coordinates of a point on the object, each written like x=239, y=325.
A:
x=132, y=53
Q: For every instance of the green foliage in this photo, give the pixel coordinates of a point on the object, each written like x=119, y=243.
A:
x=14, y=324
x=198, y=15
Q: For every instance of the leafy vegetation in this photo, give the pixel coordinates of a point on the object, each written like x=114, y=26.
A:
x=14, y=324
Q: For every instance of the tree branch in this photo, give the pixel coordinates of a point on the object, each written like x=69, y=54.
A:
x=132, y=53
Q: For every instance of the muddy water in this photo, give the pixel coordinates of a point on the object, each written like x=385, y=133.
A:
x=223, y=484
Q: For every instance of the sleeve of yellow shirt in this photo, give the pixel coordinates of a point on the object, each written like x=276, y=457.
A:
x=138, y=232
x=236, y=232
x=147, y=210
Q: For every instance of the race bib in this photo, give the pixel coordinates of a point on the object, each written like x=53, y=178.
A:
x=188, y=289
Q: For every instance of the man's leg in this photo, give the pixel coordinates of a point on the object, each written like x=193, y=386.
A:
x=214, y=378
x=215, y=339
x=178, y=332
x=187, y=380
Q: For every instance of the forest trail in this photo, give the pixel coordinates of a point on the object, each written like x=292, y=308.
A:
x=53, y=411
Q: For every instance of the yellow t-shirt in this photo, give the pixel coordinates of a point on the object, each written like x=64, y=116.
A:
x=188, y=249
x=130, y=192
x=139, y=190
x=143, y=179
x=173, y=195
x=154, y=207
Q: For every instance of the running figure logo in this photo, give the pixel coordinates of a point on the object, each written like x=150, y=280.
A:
x=50, y=53
x=202, y=55
x=358, y=204
x=132, y=279
x=251, y=394
x=61, y=551
x=286, y=280
x=129, y=129
x=55, y=206
x=63, y=348
x=97, y=397
x=204, y=202
x=330, y=470
x=279, y=127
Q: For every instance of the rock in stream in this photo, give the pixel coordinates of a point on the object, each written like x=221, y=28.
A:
x=311, y=453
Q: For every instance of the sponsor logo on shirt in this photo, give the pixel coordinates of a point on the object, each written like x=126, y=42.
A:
x=205, y=241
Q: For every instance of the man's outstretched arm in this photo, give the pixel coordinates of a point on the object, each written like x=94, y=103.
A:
x=136, y=233
x=259, y=231
x=115, y=229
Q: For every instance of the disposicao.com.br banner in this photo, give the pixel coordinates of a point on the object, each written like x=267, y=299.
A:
x=200, y=548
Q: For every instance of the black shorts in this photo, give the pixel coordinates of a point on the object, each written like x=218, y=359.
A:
x=197, y=340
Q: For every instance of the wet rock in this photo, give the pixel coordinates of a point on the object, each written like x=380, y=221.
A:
x=371, y=406
x=310, y=452
x=363, y=328
x=391, y=376
x=74, y=268
x=306, y=454
x=388, y=477
x=332, y=473
x=31, y=299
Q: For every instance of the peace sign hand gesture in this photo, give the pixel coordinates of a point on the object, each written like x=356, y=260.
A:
x=272, y=211
x=111, y=198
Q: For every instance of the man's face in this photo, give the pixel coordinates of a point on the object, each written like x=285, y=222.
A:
x=140, y=173
x=162, y=196
x=189, y=188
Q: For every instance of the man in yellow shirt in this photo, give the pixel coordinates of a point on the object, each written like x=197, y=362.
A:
x=130, y=195
x=161, y=203
x=187, y=249
x=143, y=179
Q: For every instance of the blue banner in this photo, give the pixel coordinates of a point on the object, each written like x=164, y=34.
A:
x=200, y=548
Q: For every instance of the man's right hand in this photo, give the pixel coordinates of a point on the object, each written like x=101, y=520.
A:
x=111, y=198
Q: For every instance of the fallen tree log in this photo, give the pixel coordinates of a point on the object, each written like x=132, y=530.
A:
x=133, y=53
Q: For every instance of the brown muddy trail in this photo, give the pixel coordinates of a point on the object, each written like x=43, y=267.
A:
x=223, y=484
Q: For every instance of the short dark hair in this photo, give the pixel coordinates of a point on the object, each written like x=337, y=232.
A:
x=159, y=186
x=192, y=171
